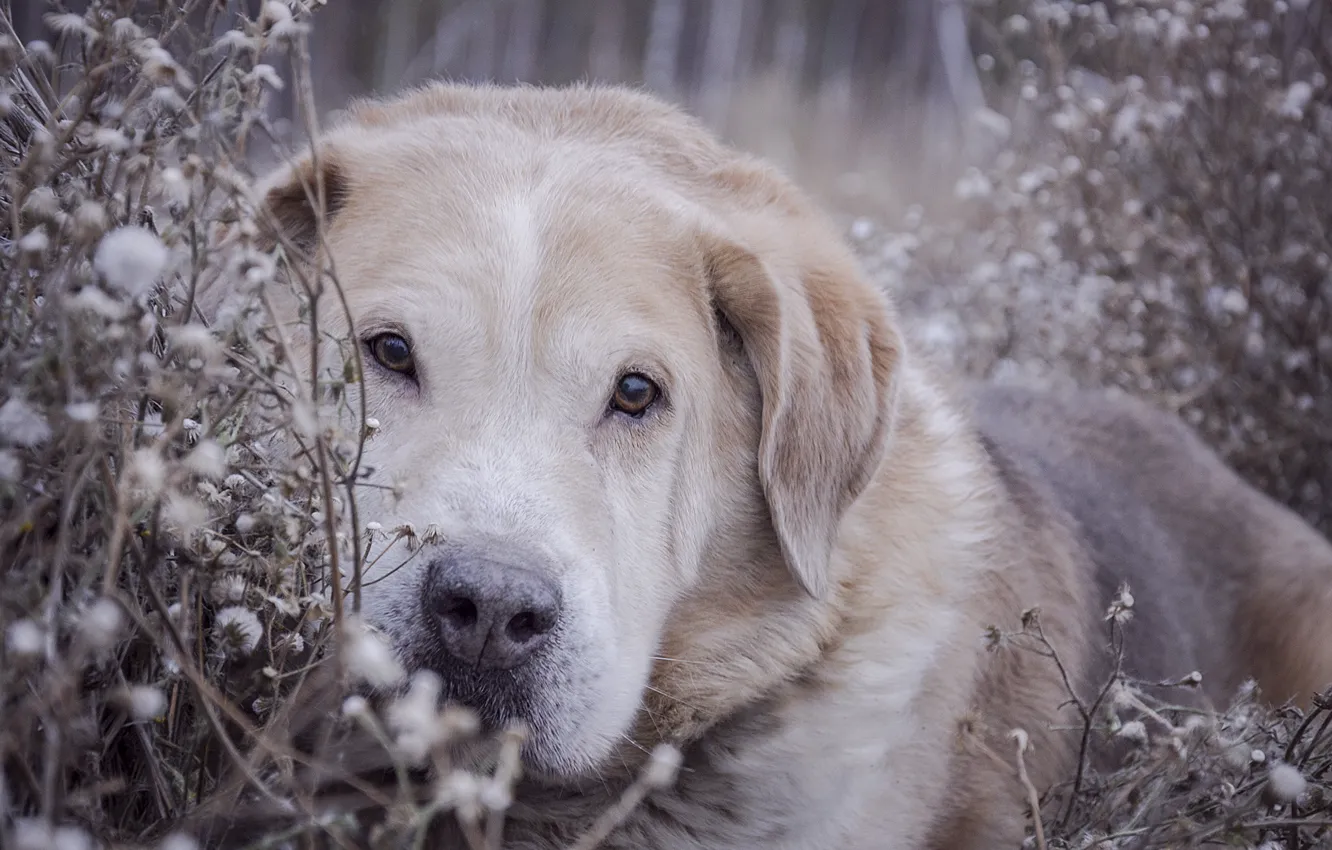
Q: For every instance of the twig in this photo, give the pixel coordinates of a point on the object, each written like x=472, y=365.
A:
x=1033, y=797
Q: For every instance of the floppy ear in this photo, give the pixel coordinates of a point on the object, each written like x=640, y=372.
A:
x=825, y=350
x=288, y=208
x=291, y=198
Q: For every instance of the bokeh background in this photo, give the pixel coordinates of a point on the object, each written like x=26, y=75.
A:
x=1129, y=192
x=822, y=85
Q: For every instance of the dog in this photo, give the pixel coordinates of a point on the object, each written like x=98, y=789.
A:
x=686, y=482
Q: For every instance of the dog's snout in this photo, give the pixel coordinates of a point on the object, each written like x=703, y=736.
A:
x=492, y=615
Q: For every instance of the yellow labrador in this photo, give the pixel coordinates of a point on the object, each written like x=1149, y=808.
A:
x=687, y=483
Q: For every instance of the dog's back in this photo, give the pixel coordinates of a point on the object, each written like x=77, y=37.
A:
x=1225, y=580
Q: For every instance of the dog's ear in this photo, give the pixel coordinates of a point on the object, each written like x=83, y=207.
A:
x=291, y=198
x=288, y=204
x=825, y=350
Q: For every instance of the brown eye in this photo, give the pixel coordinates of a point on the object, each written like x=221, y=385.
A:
x=393, y=353
x=634, y=394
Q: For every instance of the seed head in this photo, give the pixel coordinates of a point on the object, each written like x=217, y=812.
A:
x=144, y=702
x=370, y=658
x=24, y=639
x=238, y=630
x=101, y=624
x=11, y=468
x=22, y=425
x=208, y=460
x=82, y=411
x=663, y=765
x=130, y=259
x=1285, y=784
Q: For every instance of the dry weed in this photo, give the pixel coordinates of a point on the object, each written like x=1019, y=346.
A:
x=174, y=585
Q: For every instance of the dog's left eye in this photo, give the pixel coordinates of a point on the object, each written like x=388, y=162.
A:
x=634, y=394
x=393, y=352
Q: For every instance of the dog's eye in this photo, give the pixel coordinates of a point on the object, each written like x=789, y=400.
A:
x=393, y=353
x=634, y=394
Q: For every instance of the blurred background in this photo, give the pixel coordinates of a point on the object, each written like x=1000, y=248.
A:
x=801, y=80
x=828, y=87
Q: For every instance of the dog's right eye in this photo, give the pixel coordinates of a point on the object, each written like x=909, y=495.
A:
x=393, y=352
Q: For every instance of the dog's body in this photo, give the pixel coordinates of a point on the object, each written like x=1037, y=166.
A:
x=787, y=562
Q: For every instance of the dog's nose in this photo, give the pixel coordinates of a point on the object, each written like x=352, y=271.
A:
x=491, y=615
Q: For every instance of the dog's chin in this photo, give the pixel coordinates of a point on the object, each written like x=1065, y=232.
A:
x=554, y=763
x=547, y=756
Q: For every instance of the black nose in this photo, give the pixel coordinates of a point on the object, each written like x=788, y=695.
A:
x=491, y=615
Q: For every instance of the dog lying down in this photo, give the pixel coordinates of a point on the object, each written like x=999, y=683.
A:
x=692, y=486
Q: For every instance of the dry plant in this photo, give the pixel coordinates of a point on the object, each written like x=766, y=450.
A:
x=1156, y=218
x=181, y=548
x=182, y=659
x=1160, y=772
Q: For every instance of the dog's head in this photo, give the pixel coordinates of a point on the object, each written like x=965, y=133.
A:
x=630, y=381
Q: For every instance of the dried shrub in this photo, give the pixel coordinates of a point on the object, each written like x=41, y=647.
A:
x=1155, y=218
x=181, y=546
x=175, y=576
x=161, y=563
x=1159, y=768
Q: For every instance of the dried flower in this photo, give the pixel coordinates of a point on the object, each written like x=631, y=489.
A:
x=24, y=639
x=101, y=623
x=11, y=468
x=663, y=765
x=1285, y=783
x=178, y=841
x=237, y=630
x=355, y=706
x=130, y=259
x=22, y=425
x=228, y=589
x=144, y=702
x=208, y=459
x=369, y=657
x=35, y=242
x=415, y=717
x=83, y=411
x=1121, y=607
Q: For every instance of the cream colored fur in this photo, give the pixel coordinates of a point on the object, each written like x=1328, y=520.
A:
x=788, y=567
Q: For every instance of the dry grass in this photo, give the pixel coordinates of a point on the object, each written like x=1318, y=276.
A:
x=166, y=624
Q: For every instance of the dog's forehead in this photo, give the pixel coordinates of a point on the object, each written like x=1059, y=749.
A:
x=551, y=249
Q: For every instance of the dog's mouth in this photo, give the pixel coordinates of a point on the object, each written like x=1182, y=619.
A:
x=497, y=699
x=496, y=705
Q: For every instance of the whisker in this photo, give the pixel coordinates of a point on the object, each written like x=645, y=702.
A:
x=671, y=697
x=677, y=660
x=635, y=745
